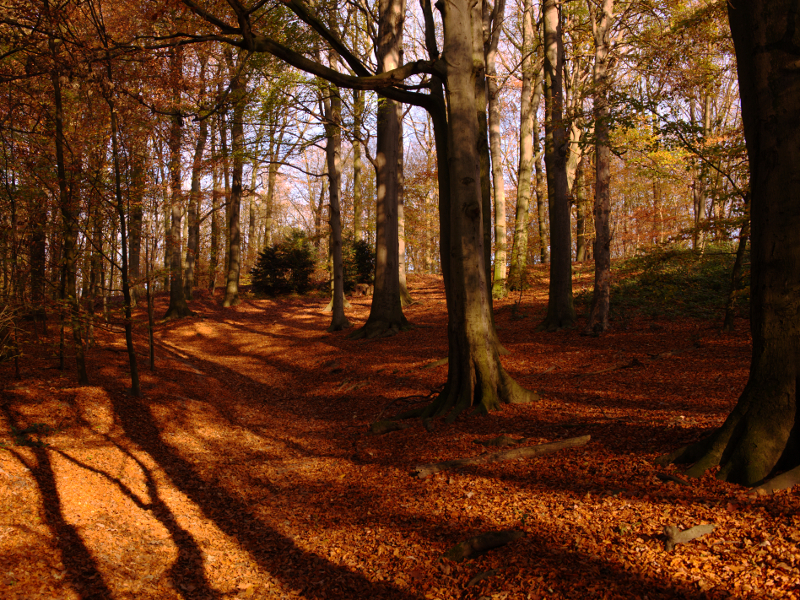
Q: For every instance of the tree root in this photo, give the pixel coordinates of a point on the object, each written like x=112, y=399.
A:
x=406, y=398
x=381, y=427
x=784, y=481
x=675, y=536
x=379, y=329
x=481, y=543
x=423, y=471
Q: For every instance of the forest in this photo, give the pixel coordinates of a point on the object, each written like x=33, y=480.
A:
x=344, y=299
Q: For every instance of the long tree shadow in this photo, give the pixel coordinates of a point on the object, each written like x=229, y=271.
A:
x=187, y=570
x=84, y=575
x=270, y=549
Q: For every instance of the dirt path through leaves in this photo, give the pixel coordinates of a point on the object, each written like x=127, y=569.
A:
x=247, y=470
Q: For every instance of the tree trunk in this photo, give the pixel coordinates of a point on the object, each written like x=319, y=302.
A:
x=216, y=193
x=358, y=118
x=193, y=210
x=70, y=225
x=136, y=213
x=333, y=155
x=527, y=107
x=541, y=194
x=386, y=311
x=126, y=291
x=177, y=299
x=405, y=296
x=560, y=310
x=761, y=433
x=579, y=191
x=238, y=93
x=499, y=289
x=475, y=378
x=601, y=27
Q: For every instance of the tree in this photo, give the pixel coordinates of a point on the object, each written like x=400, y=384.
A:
x=601, y=28
x=178, y=307
x=761, y=433
x=560, y=310
x=386, y=310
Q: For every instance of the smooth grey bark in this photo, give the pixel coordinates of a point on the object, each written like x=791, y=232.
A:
x=476, y=379
x=178, y=307
x=560, y=309
x=333, y=154
x=581, y=204
x=601, y=28
x=761, y=434
x=386, y=311
x=527, y=106
x=405, y=296
x=193, y=209
x=216, y=194
x=541, y=195
x=239, y=97
x=358, y=118
x=499, y=289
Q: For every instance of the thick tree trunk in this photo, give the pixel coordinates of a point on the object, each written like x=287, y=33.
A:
x=601, y=27
x=475, y=379
x=386, y=312
x=177, y=299
x=761, y=434
x=560, y=310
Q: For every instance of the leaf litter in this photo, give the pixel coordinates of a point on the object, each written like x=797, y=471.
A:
x=248, y=470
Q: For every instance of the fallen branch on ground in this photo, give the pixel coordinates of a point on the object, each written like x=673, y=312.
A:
x=423, y=471
x=481, y=543
x=675, y=536
x=502, y=440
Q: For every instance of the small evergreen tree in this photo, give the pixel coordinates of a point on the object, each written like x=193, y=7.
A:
x=285, y=267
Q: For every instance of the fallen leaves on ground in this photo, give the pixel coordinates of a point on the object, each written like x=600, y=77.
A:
x=248, y=470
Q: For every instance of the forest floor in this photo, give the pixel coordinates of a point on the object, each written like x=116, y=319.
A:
x=247, y=469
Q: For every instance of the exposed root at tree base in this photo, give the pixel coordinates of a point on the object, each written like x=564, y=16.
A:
x=379, y=329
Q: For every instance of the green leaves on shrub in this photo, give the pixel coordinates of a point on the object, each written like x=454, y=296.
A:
x=285, y=267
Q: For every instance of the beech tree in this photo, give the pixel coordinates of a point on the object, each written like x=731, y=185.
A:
x=560, y=310
x=761, y=433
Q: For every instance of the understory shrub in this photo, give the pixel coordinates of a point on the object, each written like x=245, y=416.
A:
x=358, y=263
x=285, y=267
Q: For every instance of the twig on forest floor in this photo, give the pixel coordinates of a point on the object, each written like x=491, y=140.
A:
x=670, y=477
x=675, y=536
x=482, y=543
x=423, y=471
x=480, y=577
x=437, y=363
